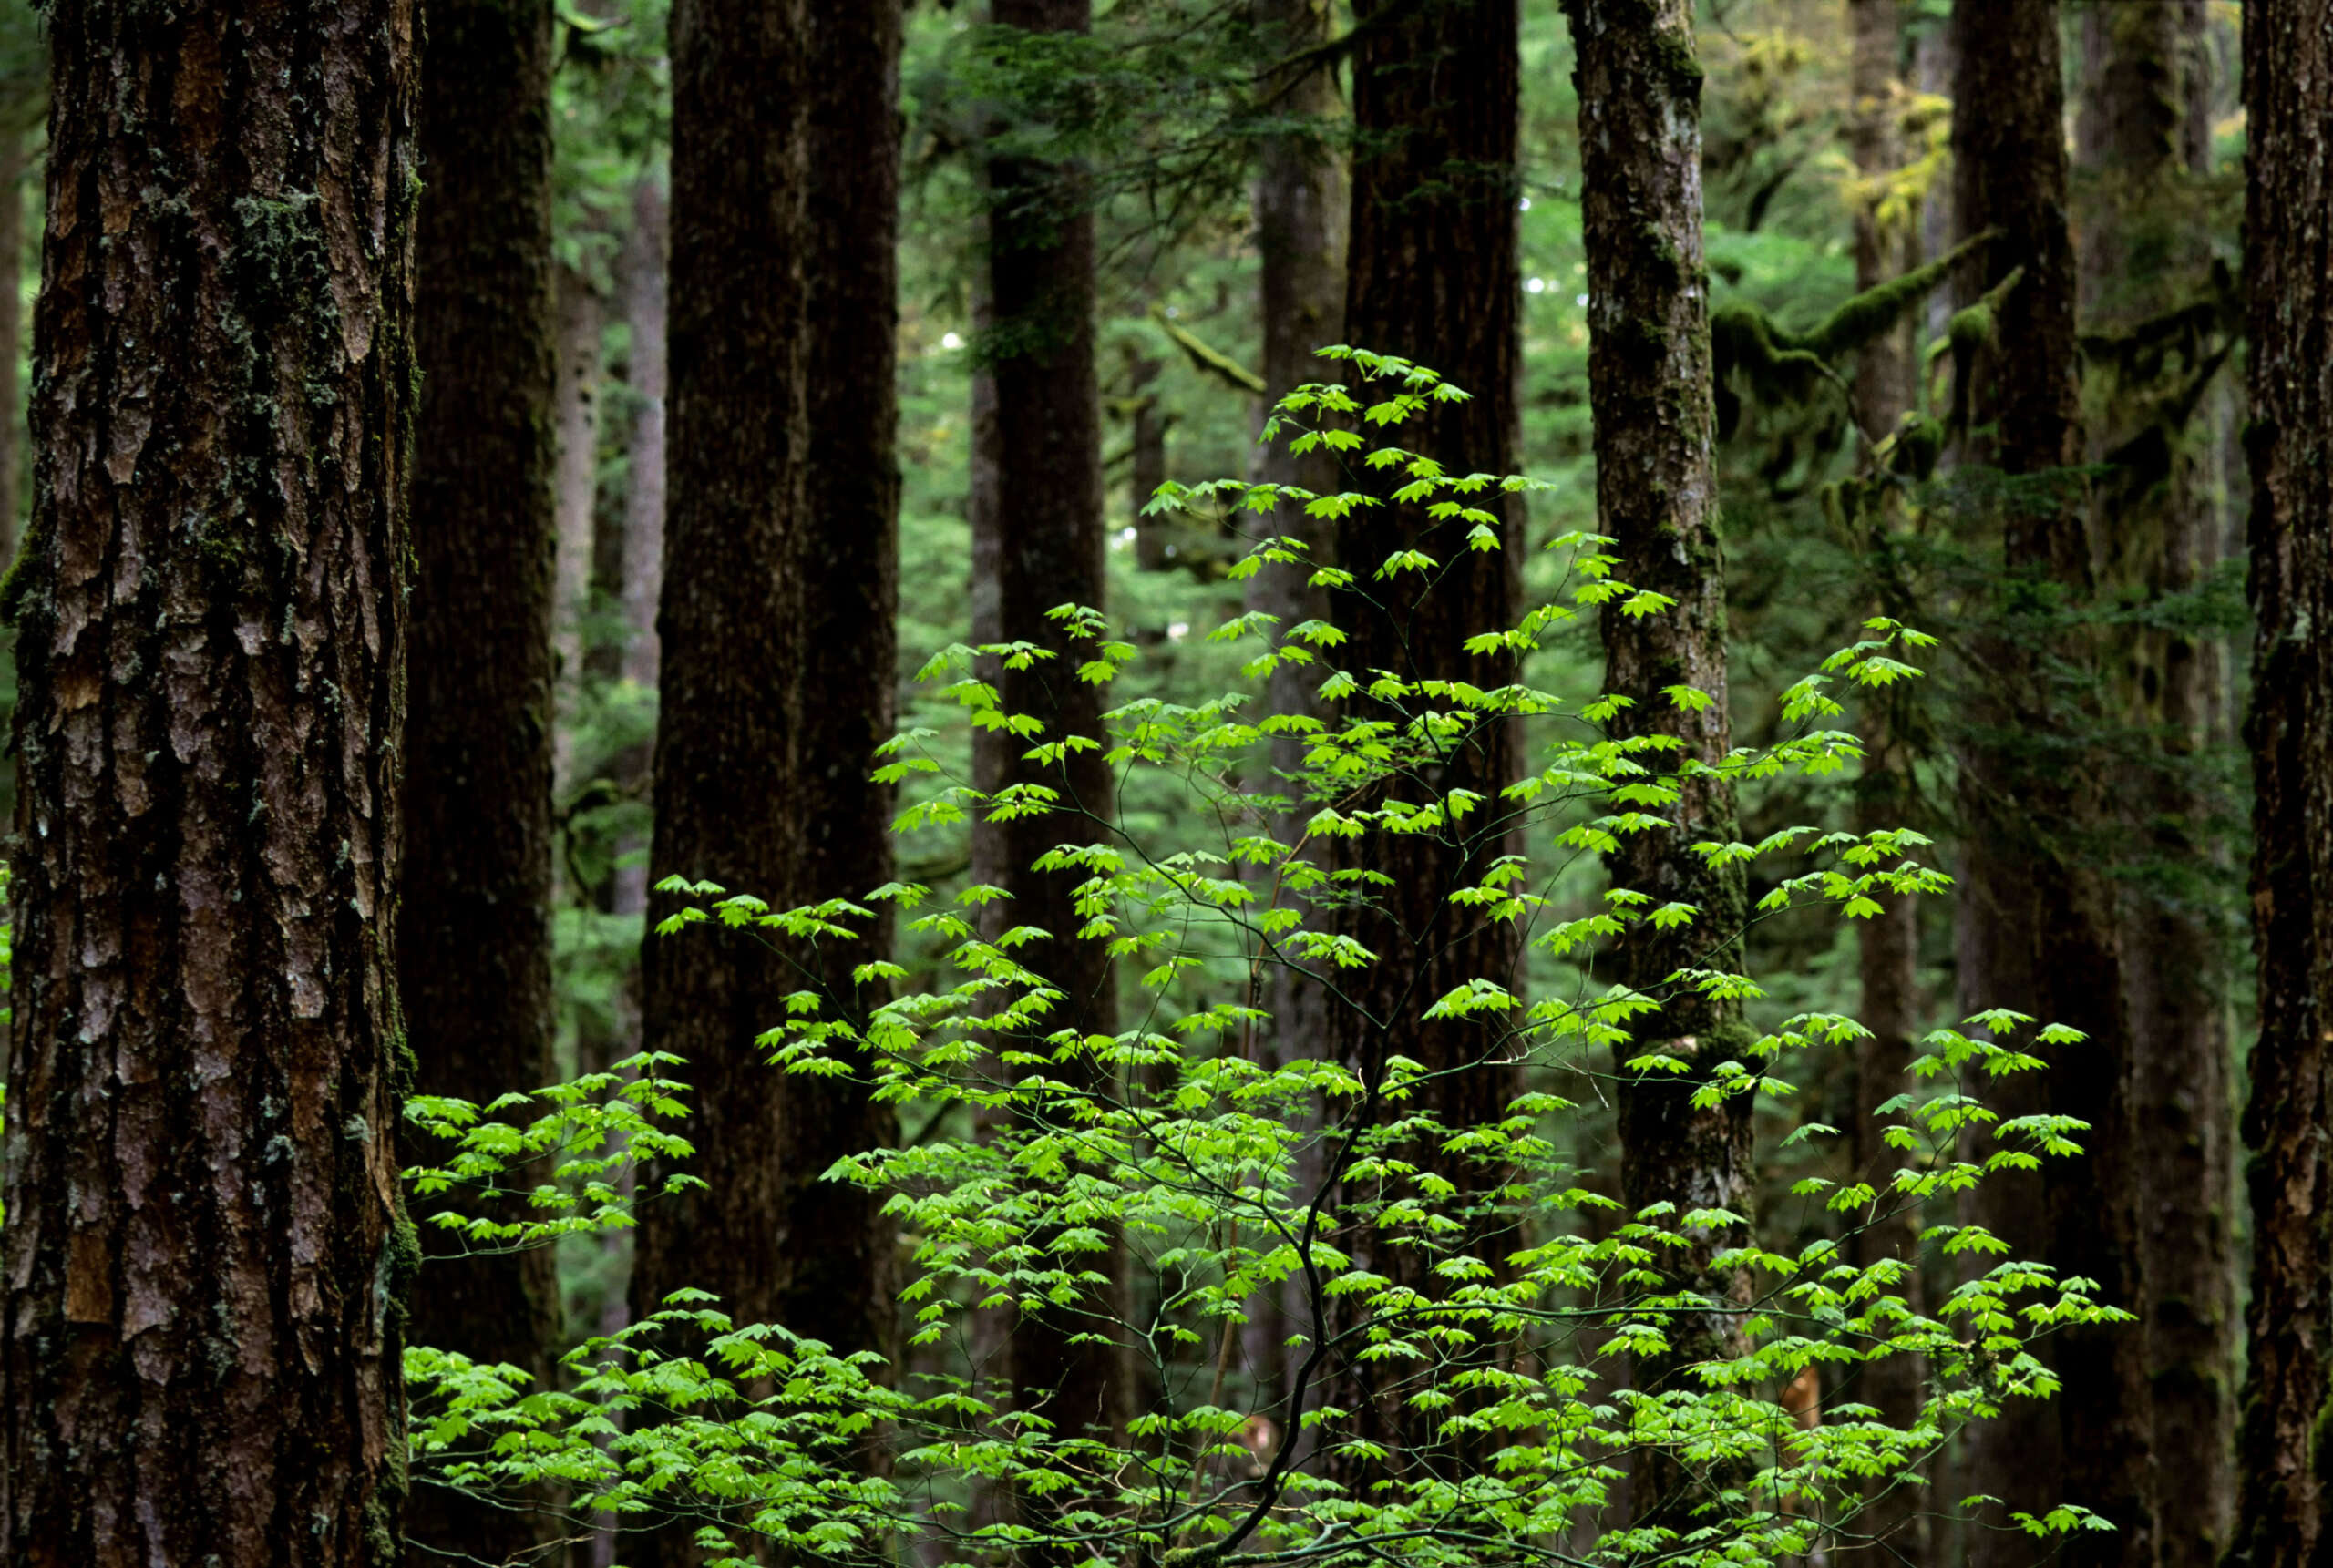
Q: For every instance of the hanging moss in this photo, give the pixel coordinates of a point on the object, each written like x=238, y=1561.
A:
x=1970, y=329
x=1772, y=365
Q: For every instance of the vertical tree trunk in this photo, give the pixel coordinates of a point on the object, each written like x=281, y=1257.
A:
x=1300, y=210
x=1431, y=274
x=2139, y=149
x=2288, y=233
x=842, y=677
x=205, y=1259
x=1048, y=550
x=723, y=737
x=1656, y=493
x=575, y=420
x=473, y=932
x=641, y=578
x=1888, y=944
x=2038, y=917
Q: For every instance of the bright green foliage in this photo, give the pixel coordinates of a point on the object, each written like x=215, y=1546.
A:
x=1228, y=1174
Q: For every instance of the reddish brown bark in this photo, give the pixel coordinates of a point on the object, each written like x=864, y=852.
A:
x=204, y=1260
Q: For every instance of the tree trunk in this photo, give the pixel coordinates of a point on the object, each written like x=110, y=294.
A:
x=575, y=493
x=1888, y=944
x=1649, y=391
x=474, y=929
x=777, y=626
x=205, y=1258
x=2038, y=915
x=2141, y=145
x=839, y=1285
x=646, y=270
x=1301, y=209
x=1432, y=274
x=2289, y=232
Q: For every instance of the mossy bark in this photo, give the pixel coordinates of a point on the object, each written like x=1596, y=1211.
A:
x=205, y=1258
x=474, y=929
x=2282, y=1444
x=2140, y=152
x=2038, y=926
x=1649, y=389
x=1431, y=274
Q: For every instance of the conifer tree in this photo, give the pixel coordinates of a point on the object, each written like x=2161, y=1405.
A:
x=206, y=1259
x=2141, y=148
x=2288, y=231
x=2037, y=927
x=474, y=928
x=1041, y=443
x=1432, y=224
x=1650, y=391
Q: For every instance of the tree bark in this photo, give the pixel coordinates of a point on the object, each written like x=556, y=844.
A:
x=777, y=638
x=2142, y=146
x=1048, y=550
x=204, y=1261
x=2039, y=933
x=1301, y=211
x=1888, y=944
x=640, y=576
x=1649, y=391
x=840, y=1285
x=1432, y=274
x=473, y=932
x=723, y=740
x=2288, y=233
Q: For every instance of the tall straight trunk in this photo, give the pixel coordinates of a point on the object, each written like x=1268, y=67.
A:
x=575, y=483
x=474, y=929
x=640, y=578
x=2288, y=233
x=1656, y=495
x=204, y=1262
x=724, y=743
x=1431, y=274
x=841, y=680
x=2142, y=143
x=1048, y=550
x=1888, y=944
x=2038, y=928
x=1300, y=210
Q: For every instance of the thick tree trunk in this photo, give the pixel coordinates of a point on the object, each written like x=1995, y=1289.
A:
x=473, y=932
x=844, y=559
x=2142, y=143
x=205, y=1259
x=778, y=640
x=1649, y=386
x=1431, y=274
x=2288, y=234
x=1048, y=551
x=2039, y=929
x=1301, y=211
x=1888, y=944
x=723, y=737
